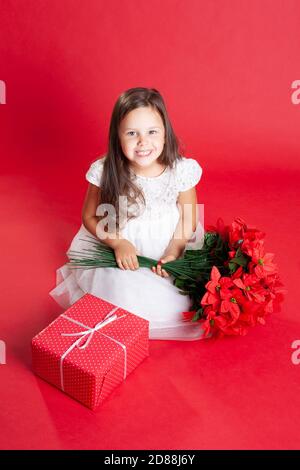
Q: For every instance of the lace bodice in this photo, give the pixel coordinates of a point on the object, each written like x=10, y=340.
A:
x=159, y=191
x=157, y=219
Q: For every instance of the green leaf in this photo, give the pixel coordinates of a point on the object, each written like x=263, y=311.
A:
x=196, y=317
x=198, y=314
x=241, y=260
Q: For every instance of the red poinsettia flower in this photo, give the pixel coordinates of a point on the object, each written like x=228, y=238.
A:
x=274, y=292
x=237, y=230
x=251, y=287
x=254, y=248
x=215, y=287
x=220, y=228
x=230, y=329
x=252, y=238
x=264, y=265
x=208, y=324
x=222, y=296
x=230, y=303
x=261, y=262
x=251, y=311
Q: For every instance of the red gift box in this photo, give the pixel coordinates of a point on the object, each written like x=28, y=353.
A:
x=90, y=349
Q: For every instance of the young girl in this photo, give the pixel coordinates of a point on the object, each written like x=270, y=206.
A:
x=142, y=164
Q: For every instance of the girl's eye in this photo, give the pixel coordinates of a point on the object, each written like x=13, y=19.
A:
x=132, y=132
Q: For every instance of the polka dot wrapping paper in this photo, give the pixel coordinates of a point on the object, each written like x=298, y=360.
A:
x=90, y=349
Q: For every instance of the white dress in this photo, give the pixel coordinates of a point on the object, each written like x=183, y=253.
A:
x=141, y=291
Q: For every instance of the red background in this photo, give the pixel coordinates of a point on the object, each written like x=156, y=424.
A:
x=225, y=70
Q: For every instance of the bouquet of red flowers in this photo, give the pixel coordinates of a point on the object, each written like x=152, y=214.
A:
x=243, y=289
x=231, y=281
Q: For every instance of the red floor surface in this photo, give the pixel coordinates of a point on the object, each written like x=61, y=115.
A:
x=229, y=74
x=234, y=393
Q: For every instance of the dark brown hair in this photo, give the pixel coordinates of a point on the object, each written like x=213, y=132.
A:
x=116, y=178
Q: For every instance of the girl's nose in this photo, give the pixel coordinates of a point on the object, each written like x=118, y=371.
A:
x=143, y=140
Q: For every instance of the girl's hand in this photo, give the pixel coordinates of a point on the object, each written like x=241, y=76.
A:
x=126, y=255
x=158, y=270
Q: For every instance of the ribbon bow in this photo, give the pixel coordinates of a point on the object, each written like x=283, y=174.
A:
x=110, y=317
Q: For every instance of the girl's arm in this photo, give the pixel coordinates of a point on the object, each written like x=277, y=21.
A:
x=187, y=204
x=90, y=219
x=125, y=252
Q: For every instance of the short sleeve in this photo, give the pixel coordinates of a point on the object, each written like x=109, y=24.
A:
x=95, y=171
x=189, y=173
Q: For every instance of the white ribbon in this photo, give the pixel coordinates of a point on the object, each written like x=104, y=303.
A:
x=110, y=317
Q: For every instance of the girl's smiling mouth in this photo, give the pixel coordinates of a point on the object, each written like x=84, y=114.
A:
x=145, y=153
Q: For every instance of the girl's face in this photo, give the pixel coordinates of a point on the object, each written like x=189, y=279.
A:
x=142, y=129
